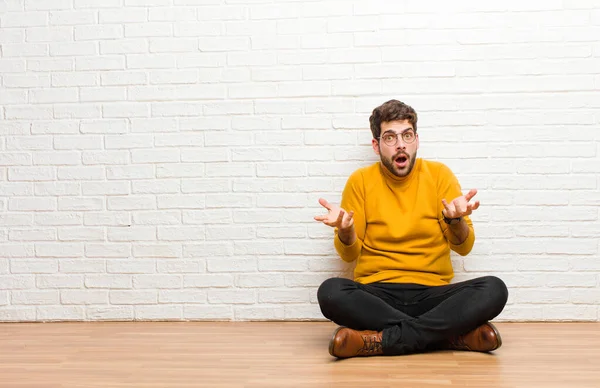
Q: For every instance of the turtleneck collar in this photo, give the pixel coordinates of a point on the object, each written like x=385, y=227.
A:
x=401, y=181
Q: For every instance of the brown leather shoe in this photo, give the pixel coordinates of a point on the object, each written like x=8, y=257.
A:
x=484, y=338
x=352, y=343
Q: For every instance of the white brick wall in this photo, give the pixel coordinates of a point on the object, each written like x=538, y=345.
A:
x=162, y=159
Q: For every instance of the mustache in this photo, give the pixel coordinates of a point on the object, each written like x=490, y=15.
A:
x=399, y=154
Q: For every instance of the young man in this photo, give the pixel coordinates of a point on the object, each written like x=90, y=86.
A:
x=399, y=219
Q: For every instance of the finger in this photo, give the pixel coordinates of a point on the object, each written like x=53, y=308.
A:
x=351, y=214
x=340, y=218
x=320, y=218
x=470, y=194
x=446, y=206
x=324, y=203
x=475, y=205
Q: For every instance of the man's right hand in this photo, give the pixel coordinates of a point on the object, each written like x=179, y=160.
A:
x=336, y=217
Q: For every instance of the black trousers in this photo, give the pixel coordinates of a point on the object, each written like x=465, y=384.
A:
x=414, y=318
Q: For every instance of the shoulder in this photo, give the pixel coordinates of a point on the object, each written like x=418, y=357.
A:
x=364, y=173
x=436, y=169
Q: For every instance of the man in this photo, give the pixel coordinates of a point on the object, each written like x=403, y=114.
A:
x=399, y=219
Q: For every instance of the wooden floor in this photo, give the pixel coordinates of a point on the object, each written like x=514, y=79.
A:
x=275, y=354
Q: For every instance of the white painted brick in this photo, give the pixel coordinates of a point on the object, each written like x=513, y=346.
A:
x=301, y=26
x=229, y=232
x=120, y=313
x=81, y=173
x=26, y=81
x=80, y=204
x=133, y=297
x=197, y=29
x=159, y=186
x=55, y=127
x=59, y=250
x=228, y=201
x=280, y=296
x=160, y=45
x=107, y=62
x=136, y=233
x=24, y=19
x=254, y=185
x=161, y=312
x=25, y=50
x=129, y=172
x=83, y=266
x=16, y=219
x=182, y=296
x=180, y=266
x=258, y=248
x=126, y=110
x=74, y=79
x=173, y=14
x=181, y=202
x=156, y=156
x=174, y=76
x=83, y=297
x=310, y=312
x=103, y=94
x=105, y=157
x=14, y=250
x=282, y=169
x=208, y=280
x=158, y=251
x=128, y=142
x=180, y=233
x=34, y=297
x=49, y=34
x=139, y=266
x=79, y=111
x=157, y=281
x=120, y=15
x=17, y=282
x=14, y=65
x=73, y=49
x=112, y=281
x=105, y=188
x=15, y=159
x=56, y=158
x=98, y=32
x=81, y=234
x=59, y=281
x=107, y=219
x=257, y=216
x=154, y=125
x=28, y=112
x=32, y=204
x=231, y=169
x=46, y=234
x=60, y=313
x=570, y=313
x=20, y=266
x=259, y=313
x=232, y=296
x=67, y=18
x=157, y=218
x=107, y=250
x=151, y=29
x=210, y=313
x=231, y=265
x=17, y=314
x=204, y=217
x=150, y=61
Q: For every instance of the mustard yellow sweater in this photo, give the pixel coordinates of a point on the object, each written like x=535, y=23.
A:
x=401, y=233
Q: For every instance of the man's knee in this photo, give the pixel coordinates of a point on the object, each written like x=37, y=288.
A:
x=497, y=290
x=328, y=290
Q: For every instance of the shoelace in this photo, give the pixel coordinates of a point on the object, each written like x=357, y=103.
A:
x=371, y=344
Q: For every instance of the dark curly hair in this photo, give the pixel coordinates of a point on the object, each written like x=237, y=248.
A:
x=390, y=111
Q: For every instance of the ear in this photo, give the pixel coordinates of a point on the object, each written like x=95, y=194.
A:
x=417, y=141
x=375, y=145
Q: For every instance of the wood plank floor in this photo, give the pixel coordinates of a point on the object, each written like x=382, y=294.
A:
x=277, y=354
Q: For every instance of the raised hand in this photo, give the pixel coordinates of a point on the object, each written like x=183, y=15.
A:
x=460, y=206
x=336, y=217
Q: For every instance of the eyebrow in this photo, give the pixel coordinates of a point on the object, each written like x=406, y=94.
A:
x=401, y=132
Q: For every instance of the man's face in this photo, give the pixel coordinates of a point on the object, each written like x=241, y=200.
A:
x=398, y=158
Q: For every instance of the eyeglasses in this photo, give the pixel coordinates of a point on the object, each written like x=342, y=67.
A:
x=391, y=138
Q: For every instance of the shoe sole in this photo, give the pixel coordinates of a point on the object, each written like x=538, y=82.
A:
x=497, y=336
x=332, y=341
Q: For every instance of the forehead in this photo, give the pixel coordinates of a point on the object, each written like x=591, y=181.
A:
x=396, y=126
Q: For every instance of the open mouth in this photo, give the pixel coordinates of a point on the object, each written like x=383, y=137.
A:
x=401, y=161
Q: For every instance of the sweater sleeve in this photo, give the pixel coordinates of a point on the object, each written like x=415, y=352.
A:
x=449, y=188
x=353, y=199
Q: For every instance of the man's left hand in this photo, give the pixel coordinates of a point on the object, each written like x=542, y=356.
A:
x=460, y=206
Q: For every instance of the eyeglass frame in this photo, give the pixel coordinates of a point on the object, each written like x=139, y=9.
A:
x=398, y=136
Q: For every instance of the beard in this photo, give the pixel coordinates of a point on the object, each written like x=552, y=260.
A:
x=390, y=164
